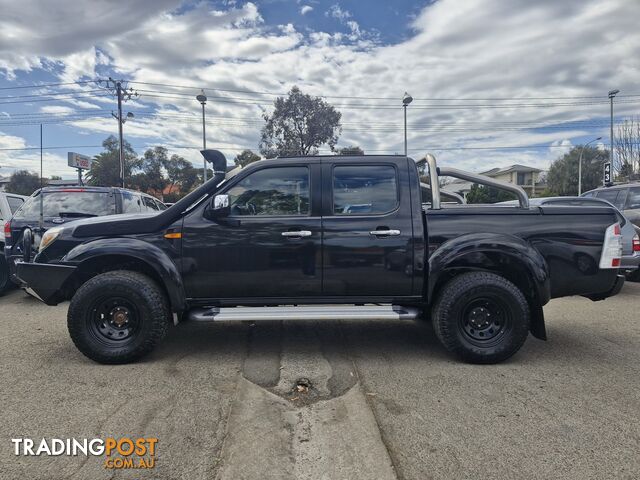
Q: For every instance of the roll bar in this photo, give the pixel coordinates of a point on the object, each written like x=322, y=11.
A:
x=435, y=172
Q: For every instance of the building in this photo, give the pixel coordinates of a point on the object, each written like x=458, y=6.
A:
x=532, y=180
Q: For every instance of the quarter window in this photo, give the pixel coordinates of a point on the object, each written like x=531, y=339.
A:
x=271, y=191
x=364, y=189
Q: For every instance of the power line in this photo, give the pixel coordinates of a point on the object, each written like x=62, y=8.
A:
x=44, y=85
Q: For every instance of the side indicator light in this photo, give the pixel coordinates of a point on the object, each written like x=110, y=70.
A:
x=173, y=235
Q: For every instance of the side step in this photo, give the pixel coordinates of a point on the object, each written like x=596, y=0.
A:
x=306, y=312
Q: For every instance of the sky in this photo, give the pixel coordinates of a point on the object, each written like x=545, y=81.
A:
x=494, y=82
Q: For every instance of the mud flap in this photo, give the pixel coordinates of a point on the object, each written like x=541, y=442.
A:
x=537, y=327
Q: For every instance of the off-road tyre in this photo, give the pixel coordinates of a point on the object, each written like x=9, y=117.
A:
x=118, y=317
x=481, y=317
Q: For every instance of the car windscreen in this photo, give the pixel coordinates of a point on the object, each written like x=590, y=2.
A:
x=68, y=204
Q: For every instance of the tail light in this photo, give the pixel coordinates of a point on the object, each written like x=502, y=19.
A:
x=636, y=243
x=612, y=247
x=7, y=229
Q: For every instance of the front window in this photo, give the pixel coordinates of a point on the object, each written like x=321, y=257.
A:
x=364, y=189
x=271, y=191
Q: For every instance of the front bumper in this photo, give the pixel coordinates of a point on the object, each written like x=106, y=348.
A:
x=44, y=280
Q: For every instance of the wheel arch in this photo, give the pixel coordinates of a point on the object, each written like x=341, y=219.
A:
x=505, y=255
x=104, y=255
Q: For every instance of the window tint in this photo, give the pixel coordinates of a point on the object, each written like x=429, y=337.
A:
x=131, y=203
x=72, y=203
x=14, y=203
x=272, y=191
x=588, y=195
x=161, y=206
x=364, y=189
x=616, y=197
x=150, y=204
x=633, y=201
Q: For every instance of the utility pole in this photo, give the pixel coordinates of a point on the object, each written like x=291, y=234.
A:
x=406, y=100
x=612, y=94
x=202, y=98
x=122, y=94
x=119, y=93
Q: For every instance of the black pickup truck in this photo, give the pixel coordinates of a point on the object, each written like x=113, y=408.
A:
x=313, y=238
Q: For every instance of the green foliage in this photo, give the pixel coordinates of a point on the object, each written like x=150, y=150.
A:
x=298, y=125
x=562, y=178
x=181, y=175
x=23, y=182
x=351, y=150
x=486, y=194
x=245, y=158
x=151, y=177
x=105, y=169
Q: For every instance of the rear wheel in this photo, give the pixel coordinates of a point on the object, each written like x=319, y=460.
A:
x=481, y=317
x=118, y=317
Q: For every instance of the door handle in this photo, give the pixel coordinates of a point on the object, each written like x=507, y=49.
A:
x=385, y=233
x=297, y=234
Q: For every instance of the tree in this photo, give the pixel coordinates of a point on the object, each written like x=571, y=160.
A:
x=151, y=177
x=562, y=178
x=105, y=169
x=350, y=150
x=627, y=148
x=298, y=125
x=245, y=158
x=56, y=177
x=23, y=182
x=181, y=175
x=486, y=194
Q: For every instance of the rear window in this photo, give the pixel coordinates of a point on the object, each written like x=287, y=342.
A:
x=616, y=197
x=71, y=203
x=364, y=189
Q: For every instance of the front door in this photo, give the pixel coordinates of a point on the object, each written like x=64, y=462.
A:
x=268, y=247
x=367, y=243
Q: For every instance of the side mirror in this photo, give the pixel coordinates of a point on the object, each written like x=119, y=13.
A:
x=218, y=207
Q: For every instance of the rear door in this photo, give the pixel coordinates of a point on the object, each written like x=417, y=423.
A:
x=367, y=236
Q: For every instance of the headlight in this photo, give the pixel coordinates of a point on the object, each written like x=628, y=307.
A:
x=49, y=237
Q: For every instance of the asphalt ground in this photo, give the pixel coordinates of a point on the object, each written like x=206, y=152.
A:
x=331, y=400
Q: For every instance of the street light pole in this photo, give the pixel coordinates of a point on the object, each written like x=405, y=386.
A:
x=406, y=100
x=202, y=98
x=612, y=94
x=120, y=122
x=580, y=164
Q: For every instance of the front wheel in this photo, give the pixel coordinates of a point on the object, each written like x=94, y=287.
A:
x=481, y=317
x=118, y=317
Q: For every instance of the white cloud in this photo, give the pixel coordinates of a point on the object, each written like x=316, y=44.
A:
x=477, y=49
x=305, y=9
x=336, y=11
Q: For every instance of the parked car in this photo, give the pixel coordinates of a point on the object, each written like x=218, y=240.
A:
x=65, y=204
x=630, y=262
x=625, y=197
x=9, y=203
x=269, y=239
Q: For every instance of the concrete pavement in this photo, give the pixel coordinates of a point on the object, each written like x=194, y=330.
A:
x=332, y=400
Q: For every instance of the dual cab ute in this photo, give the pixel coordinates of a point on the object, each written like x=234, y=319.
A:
x=312, y=238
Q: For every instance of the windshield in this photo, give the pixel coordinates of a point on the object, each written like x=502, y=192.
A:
x=68, y=204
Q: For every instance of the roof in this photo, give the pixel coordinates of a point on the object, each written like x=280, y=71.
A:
x=512, y=168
